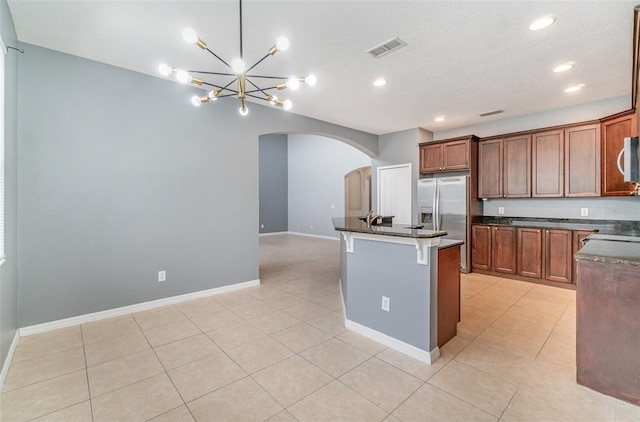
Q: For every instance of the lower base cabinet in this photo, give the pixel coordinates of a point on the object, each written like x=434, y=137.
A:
x=536, y=253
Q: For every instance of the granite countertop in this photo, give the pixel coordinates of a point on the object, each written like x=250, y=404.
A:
x=622, y=228
x=611, y=249
x=355, y=225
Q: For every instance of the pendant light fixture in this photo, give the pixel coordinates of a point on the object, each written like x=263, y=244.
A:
x=240, y=76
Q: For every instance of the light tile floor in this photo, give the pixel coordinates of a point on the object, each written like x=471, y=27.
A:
x=280, y=352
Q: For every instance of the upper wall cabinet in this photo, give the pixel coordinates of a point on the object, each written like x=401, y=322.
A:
x=504, y=167
x=566, y=163
x=447, y=155
x=613, y=130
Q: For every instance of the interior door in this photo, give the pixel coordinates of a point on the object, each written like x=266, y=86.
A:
x=394, y=192
x=357, y=192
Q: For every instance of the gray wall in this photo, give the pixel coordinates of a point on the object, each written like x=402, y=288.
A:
x=8, y=272
x=400, y=148
x=317, y=166
x=120, y=177
x=273, y=175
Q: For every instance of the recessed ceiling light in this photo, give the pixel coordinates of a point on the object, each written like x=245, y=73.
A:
x=380, y=82
x=574, y=88
x=542, y=23
x=440, y=118
x=563, y=67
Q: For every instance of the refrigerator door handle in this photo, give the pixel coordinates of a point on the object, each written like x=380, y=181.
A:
x=434, y=214
x=436, y=202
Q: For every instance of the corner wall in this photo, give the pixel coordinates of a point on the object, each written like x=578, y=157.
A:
x=9, y=270
x=274, y=217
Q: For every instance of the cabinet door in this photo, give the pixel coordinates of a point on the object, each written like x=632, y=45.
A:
x=490, y=169
x=576, y=244
x=456, y=155
x=613, y=133
x=431, y=158
x=481, y=247
x=557, y=255
x=517, y=167
x=503, y=249
x=547, y=164
x=582, y=161
x=529, y=252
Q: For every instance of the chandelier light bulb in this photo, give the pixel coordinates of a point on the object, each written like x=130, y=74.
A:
x=287, y=105
x=165, y=69
x=196, y=101
x=273, y=100
x=190, y=36
x=243, y=110
x=293, y=83
x=282, y=44
x=311, y=80
x=238, y=66
x=213, y=95
x=183, y=77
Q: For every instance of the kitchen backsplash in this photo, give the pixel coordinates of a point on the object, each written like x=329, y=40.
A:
x=609, y=208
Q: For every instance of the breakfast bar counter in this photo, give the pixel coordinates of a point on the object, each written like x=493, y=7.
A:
x=389, y=282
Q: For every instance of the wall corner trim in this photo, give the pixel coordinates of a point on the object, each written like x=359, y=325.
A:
x=110, y=313
x=7, y=361
x=400, y=346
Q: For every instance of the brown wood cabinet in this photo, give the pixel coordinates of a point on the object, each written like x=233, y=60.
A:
x=446, y=155
x=448, y=293
x=490, y=169
x=547, y=178
x=504, y=168
x=481, y=247
x=503, y=249
x=557, y=255
x=613, y=131
x=516, y=179
x=529, y=252
x=576, y=244
x=582, y=161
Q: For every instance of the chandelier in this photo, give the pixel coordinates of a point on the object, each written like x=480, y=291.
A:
x=240, y=75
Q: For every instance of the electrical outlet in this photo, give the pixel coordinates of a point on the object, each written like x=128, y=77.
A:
x=386, y=303
x=262, y=226
x=500, y=210
x=162, y=276
x=584, y=212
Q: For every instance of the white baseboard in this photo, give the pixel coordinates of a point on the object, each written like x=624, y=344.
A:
x=110, y=313
x=271, y=233
x=400, y=346
x=7, y=361
x=313, y=235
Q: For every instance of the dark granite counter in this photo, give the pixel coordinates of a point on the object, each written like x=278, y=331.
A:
x=355, y=225
x=623, y=228
x=612, y=249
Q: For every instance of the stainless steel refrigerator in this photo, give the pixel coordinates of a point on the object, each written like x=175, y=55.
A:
x=442, y=202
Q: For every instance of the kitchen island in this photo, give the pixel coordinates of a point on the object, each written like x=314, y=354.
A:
x=389, y=283
x=607, y=325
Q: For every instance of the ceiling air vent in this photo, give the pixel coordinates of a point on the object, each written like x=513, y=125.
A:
x=491, y=113
x=387, y=47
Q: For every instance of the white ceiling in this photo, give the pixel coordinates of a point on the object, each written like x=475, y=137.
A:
x=462, y=58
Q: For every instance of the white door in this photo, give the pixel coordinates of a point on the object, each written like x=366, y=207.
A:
x=394, y=192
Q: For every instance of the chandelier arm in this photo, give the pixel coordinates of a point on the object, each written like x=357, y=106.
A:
x=257, y=88
x=221, y=88
x=267, y=77
x=202, y=72
x=229, y=84
x=258, y=62
x=256, y=97
x=218, y=57
x=227, y=95
x=263, y=90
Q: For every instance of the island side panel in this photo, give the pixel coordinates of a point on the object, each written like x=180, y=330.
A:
x=379, y=269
